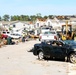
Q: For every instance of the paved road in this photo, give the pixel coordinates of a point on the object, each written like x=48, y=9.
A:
x=16, y=60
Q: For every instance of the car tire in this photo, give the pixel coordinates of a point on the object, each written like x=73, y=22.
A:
x=72, y=58
x=40, y=55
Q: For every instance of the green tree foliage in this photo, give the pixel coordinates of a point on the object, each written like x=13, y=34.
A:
x=38, y=15
x=33, y=18
x=26, y=18
x=45, y=17
x=14, y=18
x=51, y=16
x=20, y=18
x=0, y=18
x=6, y=17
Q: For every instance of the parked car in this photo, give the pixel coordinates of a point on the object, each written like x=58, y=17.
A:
x=15, y=36
x=44, y=29
x=55, y=49
x=48, y=35
x=5, y=34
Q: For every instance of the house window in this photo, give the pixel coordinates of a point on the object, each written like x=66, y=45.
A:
x=14, y=26
x=37, y=24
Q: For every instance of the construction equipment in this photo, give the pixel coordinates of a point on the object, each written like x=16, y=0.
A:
x=67, y=33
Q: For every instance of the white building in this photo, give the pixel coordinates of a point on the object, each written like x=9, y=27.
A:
x=17, y=27
x=55, y=23
x=5, y=25
x=48, y=22
x=40, y=22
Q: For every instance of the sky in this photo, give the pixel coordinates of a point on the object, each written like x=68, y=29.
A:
x=32, y=7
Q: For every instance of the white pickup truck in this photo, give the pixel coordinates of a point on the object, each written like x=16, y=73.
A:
x=48, y=35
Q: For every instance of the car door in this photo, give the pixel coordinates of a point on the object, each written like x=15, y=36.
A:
x=47, y=50
x=58, y=51
x=55, y=51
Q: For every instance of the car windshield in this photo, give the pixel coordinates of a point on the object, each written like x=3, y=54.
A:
x=4, y=32
x=51, y=32
x=70, y=42
x=8, y=32
x=45, y=28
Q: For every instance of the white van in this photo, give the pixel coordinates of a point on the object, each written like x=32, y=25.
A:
x=15, y=36
x=6, y=33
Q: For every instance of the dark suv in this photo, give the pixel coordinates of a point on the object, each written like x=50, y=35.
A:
x=55, y=49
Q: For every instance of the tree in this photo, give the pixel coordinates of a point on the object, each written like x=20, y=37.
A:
x=14, y=18
x=38, y=15
x=22, y=18
x=33, y=18
x=51, y=16
x=0, y=18
x=6, y=17
x=45, y=17
x=26, y=18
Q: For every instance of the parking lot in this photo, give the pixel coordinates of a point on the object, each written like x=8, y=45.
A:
x=17, y=60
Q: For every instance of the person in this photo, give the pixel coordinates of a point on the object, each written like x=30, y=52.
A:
x=9, y=40
x=60, y=44
x=54, y=44
x=59, y=36
x=23, y=39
